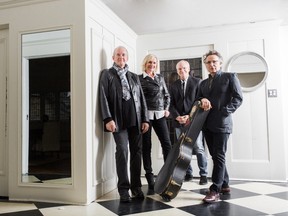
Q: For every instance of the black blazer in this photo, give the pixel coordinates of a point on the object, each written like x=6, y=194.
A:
x=225, y=96
x=111, y=98
x=181, y=105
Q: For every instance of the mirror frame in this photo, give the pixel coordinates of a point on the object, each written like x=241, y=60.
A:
x=24, y=178
x=261, y=58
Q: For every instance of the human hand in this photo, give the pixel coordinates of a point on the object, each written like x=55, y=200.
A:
x=205, y=104
x=144, y=127
x=111, y=126
x=166, y=113
x=182, y=119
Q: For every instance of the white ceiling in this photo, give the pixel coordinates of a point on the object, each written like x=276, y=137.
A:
x=154, y=16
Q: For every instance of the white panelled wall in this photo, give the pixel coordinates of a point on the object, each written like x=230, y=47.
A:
x=282, y=60
x=95, y=32
x=104, y=31
x=257, y=148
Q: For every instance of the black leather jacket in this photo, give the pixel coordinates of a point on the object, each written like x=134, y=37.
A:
x=111, y=97
x=156, y=93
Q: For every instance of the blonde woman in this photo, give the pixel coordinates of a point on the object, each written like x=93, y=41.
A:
x=158, y=102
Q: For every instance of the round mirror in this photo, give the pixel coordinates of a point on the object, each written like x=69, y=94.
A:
x=251, y=69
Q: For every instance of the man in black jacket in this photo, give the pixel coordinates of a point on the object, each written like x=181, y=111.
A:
x=222, y=94
x=124, y=112
x=183, y=94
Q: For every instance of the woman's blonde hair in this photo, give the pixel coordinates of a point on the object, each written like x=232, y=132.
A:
x=148, y=58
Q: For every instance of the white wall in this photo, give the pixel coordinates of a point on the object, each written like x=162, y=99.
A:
x=95, y=31
x=262, y=38
x=283, y=43
x=104, y=31
x=34, y=18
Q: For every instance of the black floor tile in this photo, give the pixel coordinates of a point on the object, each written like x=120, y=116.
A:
x=281, y=195
x=220, y=208
x=24, y=213
x=137, y=206
x=234, y=194
x=41, y=205
x=281, y=214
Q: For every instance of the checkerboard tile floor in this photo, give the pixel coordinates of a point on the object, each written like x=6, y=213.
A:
x=245, y=199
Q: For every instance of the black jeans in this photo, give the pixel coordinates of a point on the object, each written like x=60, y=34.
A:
x=217, y=145
x=161, y=129
x=122, y=138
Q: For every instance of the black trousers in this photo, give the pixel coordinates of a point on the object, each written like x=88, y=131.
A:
x=217, y=145
x=128, y=139
x=161, y=129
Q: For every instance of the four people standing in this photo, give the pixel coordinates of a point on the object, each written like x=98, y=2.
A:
x=125, y=96
x=183, y=95
x=124, y=113
x=222, y=94
x=158, y=102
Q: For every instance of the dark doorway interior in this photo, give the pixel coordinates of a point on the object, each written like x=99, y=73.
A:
x=50, y=118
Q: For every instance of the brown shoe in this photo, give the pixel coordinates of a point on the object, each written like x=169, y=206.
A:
x=225, y=190
x=211, y=197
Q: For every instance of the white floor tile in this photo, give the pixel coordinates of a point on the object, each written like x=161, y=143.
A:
x=261, y=187
x=94, y=209
x=263, y=203
x=29, y=179
x=7, y=207
x=109, y=196
x=194, y=185
x=184, y=198
x=67, y=181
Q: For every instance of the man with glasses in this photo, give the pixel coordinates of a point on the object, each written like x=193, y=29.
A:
x=222, y=94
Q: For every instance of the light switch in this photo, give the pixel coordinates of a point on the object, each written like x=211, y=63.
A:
x=272, y=92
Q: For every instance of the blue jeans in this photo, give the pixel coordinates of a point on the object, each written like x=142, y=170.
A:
x=199, y=151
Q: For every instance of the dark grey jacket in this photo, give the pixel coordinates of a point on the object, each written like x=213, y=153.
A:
x=156, y=93
x=111, y=97
x=225, y=96
x=181, y=105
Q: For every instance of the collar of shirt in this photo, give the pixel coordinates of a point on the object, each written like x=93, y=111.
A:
x=216, y=74
x=184, y=80
x=145, y=75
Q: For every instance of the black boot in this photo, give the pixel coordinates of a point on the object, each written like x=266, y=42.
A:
x=150, y=180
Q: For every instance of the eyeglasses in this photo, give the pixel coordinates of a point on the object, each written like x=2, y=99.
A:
x=213, y=62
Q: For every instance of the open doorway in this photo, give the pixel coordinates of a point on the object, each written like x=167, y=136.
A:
x=49, y=119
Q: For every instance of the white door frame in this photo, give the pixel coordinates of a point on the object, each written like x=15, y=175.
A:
x=25, y=116
x=3, y=113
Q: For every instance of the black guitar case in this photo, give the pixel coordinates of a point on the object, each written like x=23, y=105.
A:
x=170, y=177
